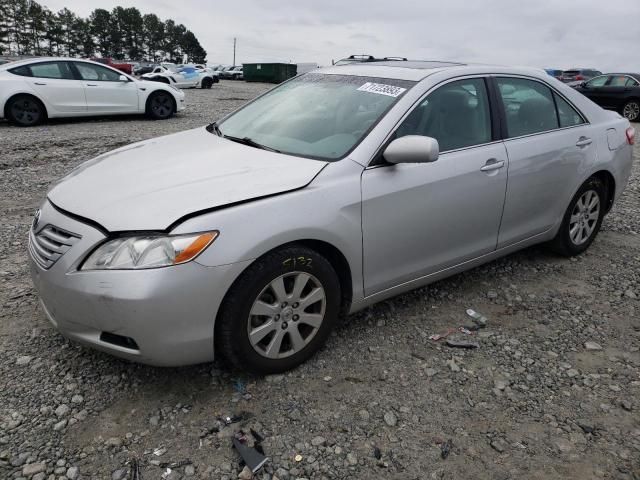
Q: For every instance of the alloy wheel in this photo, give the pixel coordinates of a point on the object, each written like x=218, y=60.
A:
x=161, y=105
x=286, y=315
x=584, y=217
x=631, y=111
x=25, y=111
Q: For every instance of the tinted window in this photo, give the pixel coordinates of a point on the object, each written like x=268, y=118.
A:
x=618, y=81
x=631, y=82
x=567, y=115
x=456, y=114
x=598, y=81
x=58, y=70
x=97, y=73
x=23, y=71
x=529, y=106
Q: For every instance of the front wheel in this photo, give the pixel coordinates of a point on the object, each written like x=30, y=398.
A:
x=631, y=110
x=160, y=105
x=582, y=220
x=206, y=82
x=279, y=312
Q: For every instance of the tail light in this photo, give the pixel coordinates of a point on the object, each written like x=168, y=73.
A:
x=631, y=135
x=579, y=77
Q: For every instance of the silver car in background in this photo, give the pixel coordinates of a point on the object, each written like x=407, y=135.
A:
x=338, y=189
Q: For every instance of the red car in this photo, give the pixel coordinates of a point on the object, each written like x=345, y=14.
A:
x=123, y=67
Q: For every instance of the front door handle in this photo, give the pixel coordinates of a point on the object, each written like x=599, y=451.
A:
x=492, y=164
x=583, y=142
x=91, y=85
x=39, y=83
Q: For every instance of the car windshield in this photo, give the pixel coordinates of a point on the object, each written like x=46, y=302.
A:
x=316, y=115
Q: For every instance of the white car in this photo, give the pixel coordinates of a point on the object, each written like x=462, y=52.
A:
x=36, y=89
x=180, y=77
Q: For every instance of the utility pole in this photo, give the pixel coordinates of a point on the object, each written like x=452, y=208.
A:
x=234, y=51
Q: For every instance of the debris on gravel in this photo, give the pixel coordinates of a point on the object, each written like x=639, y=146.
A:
x=552, y=392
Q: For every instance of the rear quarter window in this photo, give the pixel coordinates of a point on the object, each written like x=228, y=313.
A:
x=23, y=71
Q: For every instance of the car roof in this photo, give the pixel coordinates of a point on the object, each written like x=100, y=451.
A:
x=28, y=61
x=417, y=70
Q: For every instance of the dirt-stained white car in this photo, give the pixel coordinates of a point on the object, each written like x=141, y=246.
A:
x=36, y=89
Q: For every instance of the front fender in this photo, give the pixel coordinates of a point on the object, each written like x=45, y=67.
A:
x=327, y=210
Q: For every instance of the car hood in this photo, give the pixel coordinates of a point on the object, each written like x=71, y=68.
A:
x=151, y=184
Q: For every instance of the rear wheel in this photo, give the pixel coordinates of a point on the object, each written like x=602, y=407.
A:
x=160, y=105
x=207, y=82
x=279, y=312
x=582, y=220
x=25, y=111
x=631, y=110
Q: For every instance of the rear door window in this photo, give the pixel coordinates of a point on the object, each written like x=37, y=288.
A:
x=54, y=70
x=618, y=81
x=529, y=106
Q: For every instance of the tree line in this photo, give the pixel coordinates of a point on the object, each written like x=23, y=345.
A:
x=28, y=28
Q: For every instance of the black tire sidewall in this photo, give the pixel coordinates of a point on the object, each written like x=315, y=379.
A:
x=207, y=82
x=563, y=238
x=15, y=121
x=231, y=328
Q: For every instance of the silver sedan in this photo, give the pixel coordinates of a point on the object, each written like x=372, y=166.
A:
x=250, y=237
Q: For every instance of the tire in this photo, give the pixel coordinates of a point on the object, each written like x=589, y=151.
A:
x=631, y=110
x=25, y=111
x=160, y=105
x=282, y=317
x=216, y=79
x=207, y=82
x=581, y=222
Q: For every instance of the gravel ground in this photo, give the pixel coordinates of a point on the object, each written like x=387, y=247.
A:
x=552, y=392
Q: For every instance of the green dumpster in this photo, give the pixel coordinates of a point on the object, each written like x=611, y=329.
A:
x=269, y=72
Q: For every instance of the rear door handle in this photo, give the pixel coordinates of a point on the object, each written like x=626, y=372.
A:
x=492, y=164
x=91, y=85
x=39, y=83
x=583, y=142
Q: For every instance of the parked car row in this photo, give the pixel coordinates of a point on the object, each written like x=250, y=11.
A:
x=229, y=72
x=573, y=75
x=183, y=76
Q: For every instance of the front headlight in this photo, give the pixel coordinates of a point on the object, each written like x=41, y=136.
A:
x=150, y=251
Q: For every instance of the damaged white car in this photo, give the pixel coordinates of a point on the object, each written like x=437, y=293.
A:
x=181, y=77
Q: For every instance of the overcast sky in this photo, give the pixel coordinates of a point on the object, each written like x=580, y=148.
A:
x=602, y=34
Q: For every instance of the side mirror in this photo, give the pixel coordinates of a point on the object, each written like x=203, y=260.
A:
x=123, y=78
x=412, y=149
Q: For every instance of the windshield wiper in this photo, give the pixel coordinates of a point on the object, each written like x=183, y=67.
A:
x=213, y=128
x=250, y=142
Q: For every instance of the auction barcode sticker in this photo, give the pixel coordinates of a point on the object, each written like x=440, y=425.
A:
x=382, y=89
